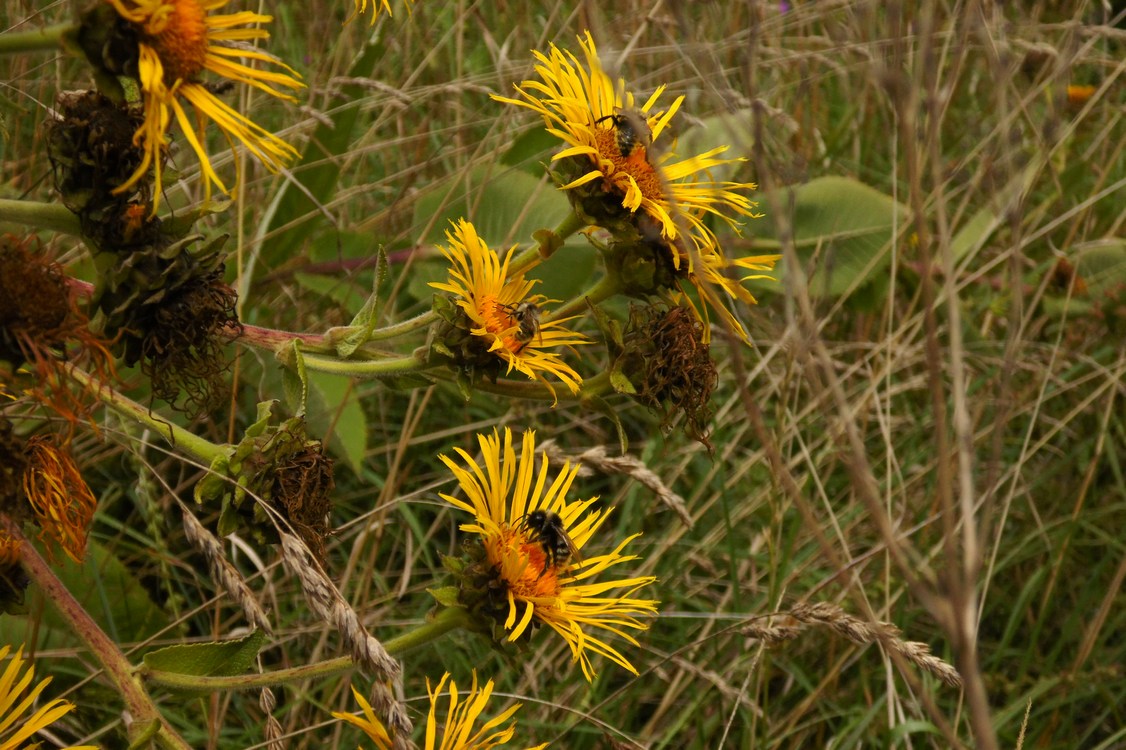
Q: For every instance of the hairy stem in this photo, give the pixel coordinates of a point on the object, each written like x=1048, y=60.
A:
x=117, y=667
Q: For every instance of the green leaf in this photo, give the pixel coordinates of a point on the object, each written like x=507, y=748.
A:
x=215, y=659
x=445, y=595
x=335, y=410
x=1102, y=266
x=296, y=213
x=843, y=232
x=506, y=206
x=364, y=322
x=973, y=235
x=295, y=379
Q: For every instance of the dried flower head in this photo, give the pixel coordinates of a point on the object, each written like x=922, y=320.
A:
x=669, y=367
x=58, y=495
x=275, y=477
x=42, y=331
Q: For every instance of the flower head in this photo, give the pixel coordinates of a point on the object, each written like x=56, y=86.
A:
x=620, y=154
x=541, y=583
x=14, y=703
x=501, y=315
x=458, y=731
x=177, y=41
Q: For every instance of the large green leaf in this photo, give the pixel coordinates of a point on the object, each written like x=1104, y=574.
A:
x=506, y=207
x=335, y=408
x=843, y=233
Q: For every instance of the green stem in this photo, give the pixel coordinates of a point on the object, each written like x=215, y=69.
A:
x=117, y=667
x=406, y=326
x=52, y=216
x=606, y=287
x=547, y=245
x=202, y=450
x=448, y=619
x=383, y=368
x=571, y=223
x=47, y=38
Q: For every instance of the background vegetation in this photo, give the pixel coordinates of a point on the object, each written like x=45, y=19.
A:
x=945, y=343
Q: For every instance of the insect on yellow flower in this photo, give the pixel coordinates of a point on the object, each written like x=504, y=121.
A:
x=541, y=583
x=179, y=40
x=624, y=151
x=501, y=313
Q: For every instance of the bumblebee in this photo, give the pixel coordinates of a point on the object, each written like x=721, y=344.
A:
x=547, y=528
x=631, y=128
x=527, y=317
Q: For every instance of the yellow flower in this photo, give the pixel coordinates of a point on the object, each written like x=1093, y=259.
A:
x=59, y=496
x=458, y=731
x=498, y=308
x=620, y=151
x=178, y=41
x=377, y=7
x=540, y=585
x=14, y=703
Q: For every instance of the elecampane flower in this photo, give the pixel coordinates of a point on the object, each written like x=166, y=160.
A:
x=458, y=728
x=565, y=596
x=625, y=150
x=178, y=41
x=16, y=701
x=492, y=302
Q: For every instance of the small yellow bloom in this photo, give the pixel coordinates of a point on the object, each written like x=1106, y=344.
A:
x=626, y=151
x=377, y=7
x=178, y=41
x=458, y=731
x=59, y=496
x=493, y=304
x=563, y=595
x=15, y=701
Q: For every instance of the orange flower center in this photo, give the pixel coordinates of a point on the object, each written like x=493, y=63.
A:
x=178, y=33
x=522, y=563
x=635, y=164
x=501, y=322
